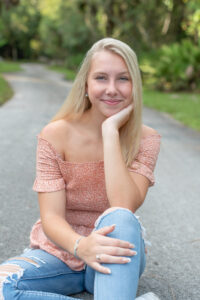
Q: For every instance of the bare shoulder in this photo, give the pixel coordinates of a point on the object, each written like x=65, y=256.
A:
x=147, y=131
x=55, y=133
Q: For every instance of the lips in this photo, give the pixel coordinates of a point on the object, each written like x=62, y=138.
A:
x=111, y=102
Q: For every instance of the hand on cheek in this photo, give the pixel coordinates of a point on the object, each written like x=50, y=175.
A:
x=117, y=120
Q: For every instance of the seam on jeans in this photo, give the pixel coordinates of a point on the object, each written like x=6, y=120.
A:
x=47, y=294
x=36, y=277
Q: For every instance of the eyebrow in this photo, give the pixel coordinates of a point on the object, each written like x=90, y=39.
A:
x=121, y=73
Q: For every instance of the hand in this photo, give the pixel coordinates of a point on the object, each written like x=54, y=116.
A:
x=110, y=250
x=117, y=120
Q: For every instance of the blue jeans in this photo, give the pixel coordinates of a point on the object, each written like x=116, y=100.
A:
x=44, y=276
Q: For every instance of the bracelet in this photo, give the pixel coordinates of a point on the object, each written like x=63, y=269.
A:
x=76, y=246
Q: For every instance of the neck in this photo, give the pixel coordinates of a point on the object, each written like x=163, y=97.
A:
x=93, y=123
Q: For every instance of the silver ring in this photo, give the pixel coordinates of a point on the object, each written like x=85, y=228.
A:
x=98, y=257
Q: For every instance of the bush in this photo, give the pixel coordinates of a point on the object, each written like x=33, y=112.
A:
x=178, y=67
x=73, y=61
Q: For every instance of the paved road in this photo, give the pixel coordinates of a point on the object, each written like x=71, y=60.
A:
x=171, y=209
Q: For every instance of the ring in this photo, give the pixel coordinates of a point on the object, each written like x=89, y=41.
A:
x=98, y=257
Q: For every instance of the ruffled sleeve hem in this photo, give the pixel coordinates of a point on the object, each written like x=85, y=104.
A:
x=48, y=185
x=145, y=171
x=146, y=158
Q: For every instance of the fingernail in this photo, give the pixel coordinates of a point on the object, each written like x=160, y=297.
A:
x=127, y=260
x=109, y=271
x=113, y=225
x=131, y=246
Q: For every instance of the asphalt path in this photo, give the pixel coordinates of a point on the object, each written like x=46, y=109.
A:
x=171, y=210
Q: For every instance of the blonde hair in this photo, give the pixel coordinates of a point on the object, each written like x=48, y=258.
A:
x=77, y=103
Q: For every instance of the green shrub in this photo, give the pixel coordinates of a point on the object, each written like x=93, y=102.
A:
x=178, y=67
x=73, y=61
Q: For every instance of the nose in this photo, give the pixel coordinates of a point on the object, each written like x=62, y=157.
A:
x=111, y=89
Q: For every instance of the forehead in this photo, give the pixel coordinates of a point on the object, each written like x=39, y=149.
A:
x=106, y=60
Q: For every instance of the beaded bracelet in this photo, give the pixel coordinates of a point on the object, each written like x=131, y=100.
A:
x=76, y=246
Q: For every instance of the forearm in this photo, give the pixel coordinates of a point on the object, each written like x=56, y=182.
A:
x=120, y=187
x=60, y=232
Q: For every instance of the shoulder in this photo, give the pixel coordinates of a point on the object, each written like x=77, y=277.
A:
x=55, y=133
x=148, y=131
x=151, y=140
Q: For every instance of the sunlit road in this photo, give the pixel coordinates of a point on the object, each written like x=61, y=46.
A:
x=170, y=212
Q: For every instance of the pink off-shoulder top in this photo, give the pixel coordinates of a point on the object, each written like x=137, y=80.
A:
x=84, y=184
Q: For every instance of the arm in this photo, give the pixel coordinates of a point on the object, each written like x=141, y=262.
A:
x=124, y=189
x=50, y=186
x=56, y=228
x=52, y=208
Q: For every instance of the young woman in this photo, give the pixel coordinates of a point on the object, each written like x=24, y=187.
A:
x=95, y=163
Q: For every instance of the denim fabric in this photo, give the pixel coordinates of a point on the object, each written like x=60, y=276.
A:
x=51, y=279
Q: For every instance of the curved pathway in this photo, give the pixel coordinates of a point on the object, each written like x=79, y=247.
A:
x=171, y=209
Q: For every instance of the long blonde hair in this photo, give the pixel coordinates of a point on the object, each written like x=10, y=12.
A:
x=77, y=103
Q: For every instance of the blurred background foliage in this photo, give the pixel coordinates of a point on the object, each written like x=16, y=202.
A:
x=165, y=34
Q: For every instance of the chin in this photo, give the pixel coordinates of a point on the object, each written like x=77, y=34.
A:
x=110, y=113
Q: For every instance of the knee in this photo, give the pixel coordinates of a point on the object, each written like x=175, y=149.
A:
x=118, y=215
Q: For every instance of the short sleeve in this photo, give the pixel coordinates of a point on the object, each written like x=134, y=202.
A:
x=145, y=161
x=48, y=174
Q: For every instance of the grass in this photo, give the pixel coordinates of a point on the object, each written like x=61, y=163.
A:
x=6, y=91
x=7, y=66
x=184, y=107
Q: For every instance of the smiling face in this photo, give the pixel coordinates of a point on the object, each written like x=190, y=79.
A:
x=109, y=85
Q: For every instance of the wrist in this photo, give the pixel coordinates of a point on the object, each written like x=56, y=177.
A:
x=76, y=246
x=109, y=131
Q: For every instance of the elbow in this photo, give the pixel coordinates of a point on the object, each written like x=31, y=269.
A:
x=137, y=200
x=131, y=201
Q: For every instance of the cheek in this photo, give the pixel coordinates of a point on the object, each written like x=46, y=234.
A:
x=127, y=91
x=95, y=90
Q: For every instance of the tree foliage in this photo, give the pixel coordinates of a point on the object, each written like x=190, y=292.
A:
x=179, y=66
x=59, y=29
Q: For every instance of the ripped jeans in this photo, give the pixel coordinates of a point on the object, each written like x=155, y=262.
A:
x=37, y=275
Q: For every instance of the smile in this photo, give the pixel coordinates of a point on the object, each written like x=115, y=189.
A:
x=111, y=102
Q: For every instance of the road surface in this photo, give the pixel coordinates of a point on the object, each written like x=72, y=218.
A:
x=170, y=212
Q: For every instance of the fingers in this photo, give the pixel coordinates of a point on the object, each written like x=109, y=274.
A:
x=107, y=241
x=117, y=251
x=98, y=267
x=129, y=108
x=105, y=230
x=108, y=259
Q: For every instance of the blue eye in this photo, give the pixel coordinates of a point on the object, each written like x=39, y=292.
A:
x=100, y=77
x=124, y=78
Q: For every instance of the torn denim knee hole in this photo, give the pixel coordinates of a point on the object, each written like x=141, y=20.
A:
x=37, y=259
x=111, y=209
x=9, y=273
x=26, y=259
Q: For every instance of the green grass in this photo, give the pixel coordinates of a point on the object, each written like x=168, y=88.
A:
x=69, y=74
x=184, y=107
x=7, y=66
x=6, y=91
